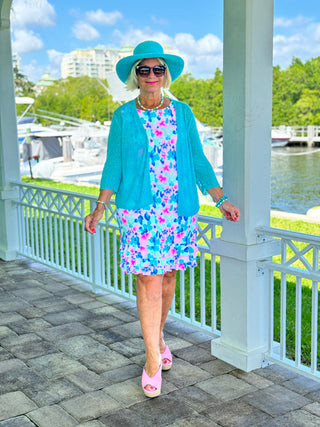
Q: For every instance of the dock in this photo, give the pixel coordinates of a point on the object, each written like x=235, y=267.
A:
x=304, y=135
x=299, y=135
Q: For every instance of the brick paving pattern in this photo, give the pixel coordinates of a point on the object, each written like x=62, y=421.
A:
x=70, y=357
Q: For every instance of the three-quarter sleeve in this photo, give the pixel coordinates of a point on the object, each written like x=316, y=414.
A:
x=111, y=174
x=205, y=175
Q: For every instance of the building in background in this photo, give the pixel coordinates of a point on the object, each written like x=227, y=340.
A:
x=16, y=61
x=96, y=62
x=86, y=62
x=45, y=81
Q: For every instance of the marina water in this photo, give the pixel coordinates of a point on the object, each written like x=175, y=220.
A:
x=295, y=179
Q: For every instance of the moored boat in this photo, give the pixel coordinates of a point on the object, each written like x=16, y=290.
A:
x=314, y=212
x=280, y=138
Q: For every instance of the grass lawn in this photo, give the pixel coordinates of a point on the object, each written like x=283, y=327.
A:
x=299, y=226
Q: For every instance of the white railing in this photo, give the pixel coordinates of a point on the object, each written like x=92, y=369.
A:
x=294, y=323
x=303, y=132
x=311, y=132
x=51, y=232
x=307, y=134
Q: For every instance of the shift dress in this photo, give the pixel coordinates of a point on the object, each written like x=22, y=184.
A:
x=157, y=240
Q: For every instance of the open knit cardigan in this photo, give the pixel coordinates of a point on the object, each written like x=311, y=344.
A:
x=127, y=172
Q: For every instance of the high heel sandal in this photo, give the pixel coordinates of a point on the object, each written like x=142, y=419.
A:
x=153, y=382
x=166, y=358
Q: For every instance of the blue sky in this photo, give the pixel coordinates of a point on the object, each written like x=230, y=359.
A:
x=44, y=30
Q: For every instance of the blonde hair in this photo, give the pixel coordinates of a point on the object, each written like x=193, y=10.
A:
x=132, y=80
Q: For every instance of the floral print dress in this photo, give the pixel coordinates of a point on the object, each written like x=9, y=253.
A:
x=156, y=240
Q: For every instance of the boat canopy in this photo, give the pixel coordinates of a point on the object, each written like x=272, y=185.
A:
x=24, y=100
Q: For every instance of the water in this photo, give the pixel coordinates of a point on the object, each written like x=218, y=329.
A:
x=295, y=179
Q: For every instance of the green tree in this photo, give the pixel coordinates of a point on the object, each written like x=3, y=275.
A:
x=287, y=88
x=312, y=70
x=296, y=93
x=307, y=108
x=23, y=86
x=80, y=97
x=295, y=96
x=203, y=96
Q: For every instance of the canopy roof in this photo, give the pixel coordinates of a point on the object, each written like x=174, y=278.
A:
x=24, y=100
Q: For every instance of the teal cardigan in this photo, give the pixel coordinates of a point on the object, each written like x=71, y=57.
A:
x=126, y=170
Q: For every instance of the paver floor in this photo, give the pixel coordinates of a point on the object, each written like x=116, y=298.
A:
x=70, y=357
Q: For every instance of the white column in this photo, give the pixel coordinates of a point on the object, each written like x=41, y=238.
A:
x=247, y=100
x=9, y=152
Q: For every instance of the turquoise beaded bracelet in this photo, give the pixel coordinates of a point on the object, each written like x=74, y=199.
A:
x=221, y=200
x=104, y=204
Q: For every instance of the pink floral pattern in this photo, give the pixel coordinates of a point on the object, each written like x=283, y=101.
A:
x=157, y=240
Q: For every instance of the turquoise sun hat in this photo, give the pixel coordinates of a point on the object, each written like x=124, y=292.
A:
x=149, y=49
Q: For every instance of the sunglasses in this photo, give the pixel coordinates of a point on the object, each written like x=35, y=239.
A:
x=144, y=70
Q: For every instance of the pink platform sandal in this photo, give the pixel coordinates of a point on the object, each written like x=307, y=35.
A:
x=166, y=358
x=153, y=382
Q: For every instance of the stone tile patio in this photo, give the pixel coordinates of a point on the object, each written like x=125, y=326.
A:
x=69, y=357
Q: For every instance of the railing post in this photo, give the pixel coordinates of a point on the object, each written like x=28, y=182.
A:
x=247, y=108
x=311, y=135
x=9, y=151
x=96, y=258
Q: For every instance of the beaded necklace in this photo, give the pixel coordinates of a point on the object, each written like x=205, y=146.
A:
x=151, y=109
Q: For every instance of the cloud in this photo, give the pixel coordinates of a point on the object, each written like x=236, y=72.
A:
x=204, y=67
x=295, y=37
x=84, y=31
x=317, y=33
x=55, y=59
x=104, y=18
x=55, y=56
x=295, y=22
x=159, y=21
x=26, y=41
x=134, y=36
x=28, y=13
x=202, y=56
x=303, y=44
x=207, y=45
x=33, y=71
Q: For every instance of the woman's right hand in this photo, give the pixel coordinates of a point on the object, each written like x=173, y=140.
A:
x=93, y=218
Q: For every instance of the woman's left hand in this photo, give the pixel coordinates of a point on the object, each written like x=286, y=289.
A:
x=229, y=211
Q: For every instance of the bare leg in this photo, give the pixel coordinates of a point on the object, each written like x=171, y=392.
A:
x=168, y=288
x=149, y=304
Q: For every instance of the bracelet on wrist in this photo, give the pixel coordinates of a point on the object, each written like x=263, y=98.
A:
x=221, y=200
x=102, y=203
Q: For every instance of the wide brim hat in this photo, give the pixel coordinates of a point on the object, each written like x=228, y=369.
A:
x=149, y=49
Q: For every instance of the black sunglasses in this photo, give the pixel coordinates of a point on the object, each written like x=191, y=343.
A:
x=145, y=70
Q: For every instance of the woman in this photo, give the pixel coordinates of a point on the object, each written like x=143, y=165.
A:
x=154, y=164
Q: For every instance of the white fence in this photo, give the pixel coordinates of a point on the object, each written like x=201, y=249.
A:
x=51, y=232
x=294, y=322
x=298, y=134
x=305, y=133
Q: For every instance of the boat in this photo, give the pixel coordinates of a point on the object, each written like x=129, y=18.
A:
x=314, y=212
x=69, y=150
x=280, y=138
x=75, y=150
x=26, y=124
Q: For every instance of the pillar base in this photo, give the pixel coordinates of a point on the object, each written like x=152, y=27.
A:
x=246, y=361
x=9, y=255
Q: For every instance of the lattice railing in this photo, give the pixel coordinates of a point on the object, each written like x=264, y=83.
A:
x=294, y=321
x=51, y=231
